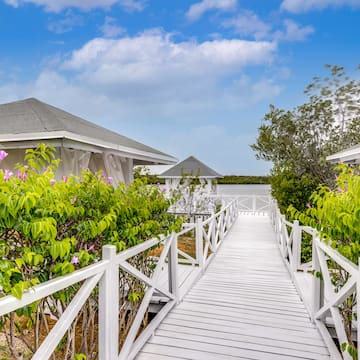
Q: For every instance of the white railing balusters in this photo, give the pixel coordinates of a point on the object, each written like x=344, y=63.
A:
x=209, y=235
x=173, y=266
x=108, y=306
x=296, y=248
x=131, y=336
x=214, y=239
x=325, y=298
x=58, y=331
x=253, y=203
x=316, y=282
x=199, y=244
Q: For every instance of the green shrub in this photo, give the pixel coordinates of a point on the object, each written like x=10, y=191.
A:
x=50, y=228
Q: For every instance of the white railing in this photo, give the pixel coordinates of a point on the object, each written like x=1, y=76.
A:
x=105, y=273
x=255, y=204
x=211, y=233
x=323, y=297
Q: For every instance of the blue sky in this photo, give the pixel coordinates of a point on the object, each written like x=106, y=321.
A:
x=184, y=76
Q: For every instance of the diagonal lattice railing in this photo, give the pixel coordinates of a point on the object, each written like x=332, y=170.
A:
x=105, y=275
x=328, y=296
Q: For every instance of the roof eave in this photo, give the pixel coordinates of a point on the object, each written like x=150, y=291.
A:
x=350, y=155
x=116, y=148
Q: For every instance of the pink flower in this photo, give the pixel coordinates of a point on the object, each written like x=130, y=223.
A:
x=102, y=175
x=8, y=174
x=3, y=155
x=22, y=176
x=339, y=189
x=74, y=199
x=52, y=181
x=109, y=180
x=91, y=248
x=65, y=179
x=75, y=260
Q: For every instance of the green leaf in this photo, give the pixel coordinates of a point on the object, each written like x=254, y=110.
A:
x=18, y=289
x=19, y=263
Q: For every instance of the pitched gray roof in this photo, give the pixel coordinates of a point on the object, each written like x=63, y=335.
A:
x=31, y=116
x=190, y=167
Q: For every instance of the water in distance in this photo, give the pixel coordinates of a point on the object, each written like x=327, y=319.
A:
x=243, y=189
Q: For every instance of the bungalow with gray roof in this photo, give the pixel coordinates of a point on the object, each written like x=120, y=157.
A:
x=79, y=143
x=191, y=167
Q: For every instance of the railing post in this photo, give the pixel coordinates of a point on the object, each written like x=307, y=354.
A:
x=199, y=243
x=296, y=249
x=221, y=224
x=109, y=307
x=214, y=242
x=254, y=203
x=278, y=221
x=317, y=282
x=283, y=232
x=172, y=266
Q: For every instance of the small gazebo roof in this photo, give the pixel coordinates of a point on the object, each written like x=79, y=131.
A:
x=348, y=156
x=190, y=167
x=27, y=122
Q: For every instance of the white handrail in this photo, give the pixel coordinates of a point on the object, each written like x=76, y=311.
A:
x=325, y=299
x=209, y=236
x=248, y=203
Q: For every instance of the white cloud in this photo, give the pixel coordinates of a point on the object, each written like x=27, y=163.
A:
x=110, y=28
x=14, y=3
x=153, y=63
x=149, y=87
x=66, y=24
x=294, y=31
x=249, y=24
x=249, y=91
x=301, y=6
x=59, y=5
x=265, y=89
x=174, y=80
x=197, y=10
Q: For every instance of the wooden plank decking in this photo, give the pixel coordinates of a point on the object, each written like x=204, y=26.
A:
x=244, y=307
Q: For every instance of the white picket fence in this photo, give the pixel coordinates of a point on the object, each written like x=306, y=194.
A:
x=324, y=300
x=105, y=273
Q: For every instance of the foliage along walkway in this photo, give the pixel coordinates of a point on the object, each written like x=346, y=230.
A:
x=245, y=306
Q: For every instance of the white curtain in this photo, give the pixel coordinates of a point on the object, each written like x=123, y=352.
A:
x=73, y=161
x=115, y=166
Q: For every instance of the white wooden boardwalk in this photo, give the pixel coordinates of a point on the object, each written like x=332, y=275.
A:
x=245, y=306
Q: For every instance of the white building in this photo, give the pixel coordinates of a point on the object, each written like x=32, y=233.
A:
x=191, y=168
x=79, y=143
x=347, y=156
